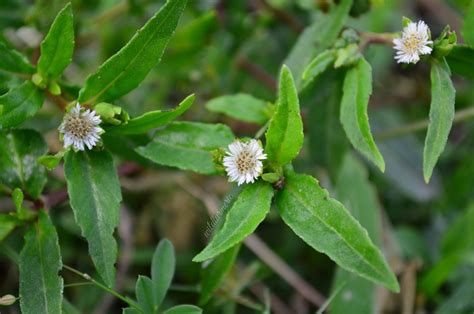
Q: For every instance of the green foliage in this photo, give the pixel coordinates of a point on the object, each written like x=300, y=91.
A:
x=248, y=211
x=184, y=309
x=187, y=145
x=354, y=118
x=20, y=104
x=13, y=61
x=19, y=150
x=319, y=64
x=328, y=227
x=468, y=26
x=125, y=70
x=461, y=60
x=94, y=192
x=153, y=119
x=40, y=260
x=7, y=224
x=58, y=45
x=441, y=115
x=162, y=270
x=285, y=132
x=242, y=107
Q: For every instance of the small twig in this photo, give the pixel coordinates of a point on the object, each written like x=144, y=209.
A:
x=240, y=300
x=257, y=72
x=111, y=14
x=460, y=115
x=284, y=16
x=368, y=38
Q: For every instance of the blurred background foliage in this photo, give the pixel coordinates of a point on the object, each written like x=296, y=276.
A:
x=227, y=47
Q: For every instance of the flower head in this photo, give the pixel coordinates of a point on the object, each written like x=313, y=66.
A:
x=413, y=43
x=243, y=162
x=80, y=128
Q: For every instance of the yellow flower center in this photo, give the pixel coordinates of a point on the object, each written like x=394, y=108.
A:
x=77, y=126
x=412, y=43
x=245, y=162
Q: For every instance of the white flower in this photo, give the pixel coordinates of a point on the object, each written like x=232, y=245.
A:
x=414, y=42
x=243, y=162
x=80, y=128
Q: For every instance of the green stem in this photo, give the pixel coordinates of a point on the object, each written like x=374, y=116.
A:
x=262, y=130
x=105, y=288
x=459, y=116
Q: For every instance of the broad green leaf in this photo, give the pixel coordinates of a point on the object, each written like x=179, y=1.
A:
x=354, y=118
x=360, y=197
x=162, y=270
x=187, y=145
x=145, y=294
x=7, y=224
x=461, y=61
x=13, y=61
x=248, y=211
x=124, y=71
x=19, y=150
x=319, y=64
x=153, y=119
x=95, y=196
x=214, y=273
x=242, y=107
x=328, y=227
x=58, y=45
x=40, y=261
x=468, y=27
x=184, y=309
x=315, y=38
x=19, y=104
x=285, y=132
x=441, y=115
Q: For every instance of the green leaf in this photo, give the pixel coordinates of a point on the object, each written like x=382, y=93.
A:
x=40, y=261
x=355, y=99
x=461, y=61
x=441, y=115
x=242, y=107
x=319, y=64
x=124, y=71
x=7, y=224
x=145, y=294
x=184, y=309
x=19, y=104
x=14, y=62
x=315, y=38
x=468, y=26
x=456, y=239
x=214, y=273
x=58, y=45
x=328, y=227
x=153, y=119
x=285, y=132
x=248, y=211
x=19, y=150
x=162, y=270
x=460, y=300
x=187, y=145
x=360, y=197
x=95, y=196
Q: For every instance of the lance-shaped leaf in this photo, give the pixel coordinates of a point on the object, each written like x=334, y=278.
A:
x=354, y=118
x=328, y=227
x=19, y=104
x=125, y=70
x=95, y=196
x=187, y=145
x=357, y=294
x=19, y=150
x=441, y=115
x=58, y=45
x=153, y=119
x=40, y=261
x=243, y=107
x=319, y=64
x=13, y=61
x=144, y=293
x=285, y=132
x=162, y=270
x=248, y=211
